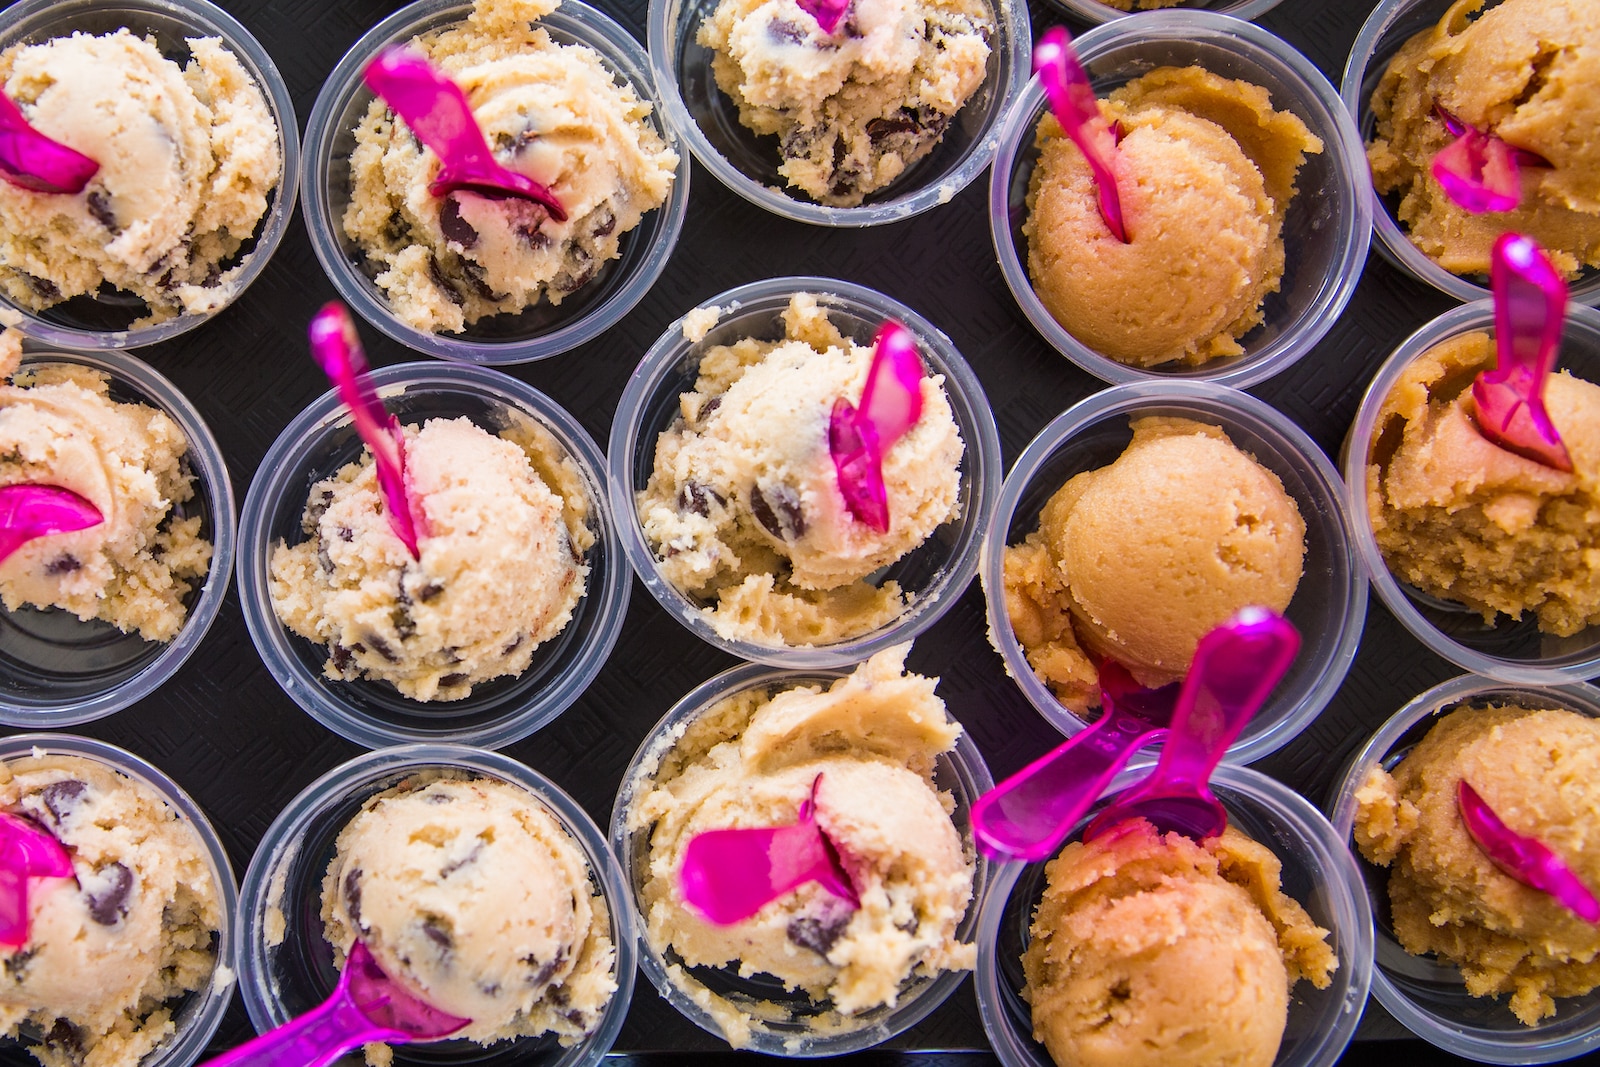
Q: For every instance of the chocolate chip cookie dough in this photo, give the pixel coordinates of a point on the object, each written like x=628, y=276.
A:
x=551, y=111
x=59, y=426
x=105, y=958
x=854, y=108
x=188, y=156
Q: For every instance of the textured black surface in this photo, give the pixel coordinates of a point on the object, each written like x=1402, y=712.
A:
x=224, y=729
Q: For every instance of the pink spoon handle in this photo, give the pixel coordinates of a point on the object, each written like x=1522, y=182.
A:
x=1026, y=816
x=1530, y=303
x=30, y=511
x=1524, y=858
x=858, y=438
x=27, y=851
x=1072, y=100
x=729, y=875
x=439, y=113
x=32, y=161
x=365, y=1006
x=1235, y=669
x=337, y=350
x=828, y=13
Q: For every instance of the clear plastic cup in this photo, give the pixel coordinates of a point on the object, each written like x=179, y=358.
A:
x=1391, y=24
x=543, y=329
x=787, y=1019
x=196, y=1016
x=56, y=670
x=935, y=573
x=1428, y=996
x=1508, y=650
x=1325, y=232
x=286, y=967
x=1094, y=11
x=105, y=321
x=748, y=164
x=1329, y=605
x=319, y=441
x=1317, y=872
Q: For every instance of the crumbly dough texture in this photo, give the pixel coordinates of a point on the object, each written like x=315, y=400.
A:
x=551, y=111
x=1205, y=172
x=1138, y=560
x=188, y=157
x=1462, y=519
x=1527, y=71
x=852, y=109
x=743, y=507
x=59, y=426
x=1157, y=950
x=873, y=738
x=106, y=959
x=472, y=895
x=500, y=571
x=1539, y=769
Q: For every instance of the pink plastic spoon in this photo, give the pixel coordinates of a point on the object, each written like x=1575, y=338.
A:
x=858, y=438
x=1524, y=858
x=439, y=113
x=1478, y=170
x=30, y=511
x=729, y=875
x=367, y=1005
x=1026, y=816
x=1530, y=303
x=27, y=850
x=32, y=161
x=828, y=13
x=337, y=349
x=1235, y=668
x=1073, y=102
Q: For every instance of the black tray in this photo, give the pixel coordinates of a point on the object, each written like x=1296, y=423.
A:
x=234, y=740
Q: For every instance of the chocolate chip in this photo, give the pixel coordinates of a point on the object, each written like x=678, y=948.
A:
x=43, y=286
x=65, y=1038
x=465, y=861
x=476, y=277
x=396, y=231
x=530, y=234
x=818, y=935
x=382, y=648
x=605, y=220
x=524, y=139
x=317, y=507
x=450, y=681
x=352, y=895
x=777, y=509
x=62, y=564
x=436, y=273
x=429, y=589
x=400, y=594
x=698, y=498
x=546, y=971
x=909, y=926
x=559, y=996
x=578, y=270
x=109, y=904
x=16, y=964
x=514, y=644
x=709, y=408
x=324, y=560
x=342, y=657
x=61, y=798
x=489, y=989
x=882, y=128
x=346, y=534
x=456, y=229
x=100, y=208
x=404, y=624
x=436, y=931
x=786, y=31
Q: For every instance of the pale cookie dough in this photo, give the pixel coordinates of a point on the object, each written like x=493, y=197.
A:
x=855, y=108
x=1205, y=172
x=501, y=567
x=551, y=111
x=470, y=894
x=1152, y=950
x=743, y=507
x=1540, y=772
x=1138, y=560
x=106, y=959
x=1460, y=518
x=59, y=426
x=751, y=760
x=188, y=158
x=1526, y=71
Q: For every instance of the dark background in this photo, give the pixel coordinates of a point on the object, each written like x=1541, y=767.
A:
x=236, y=742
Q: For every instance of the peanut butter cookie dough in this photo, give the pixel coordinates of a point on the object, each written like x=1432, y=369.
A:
x=551, y=111
x=188, y=156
